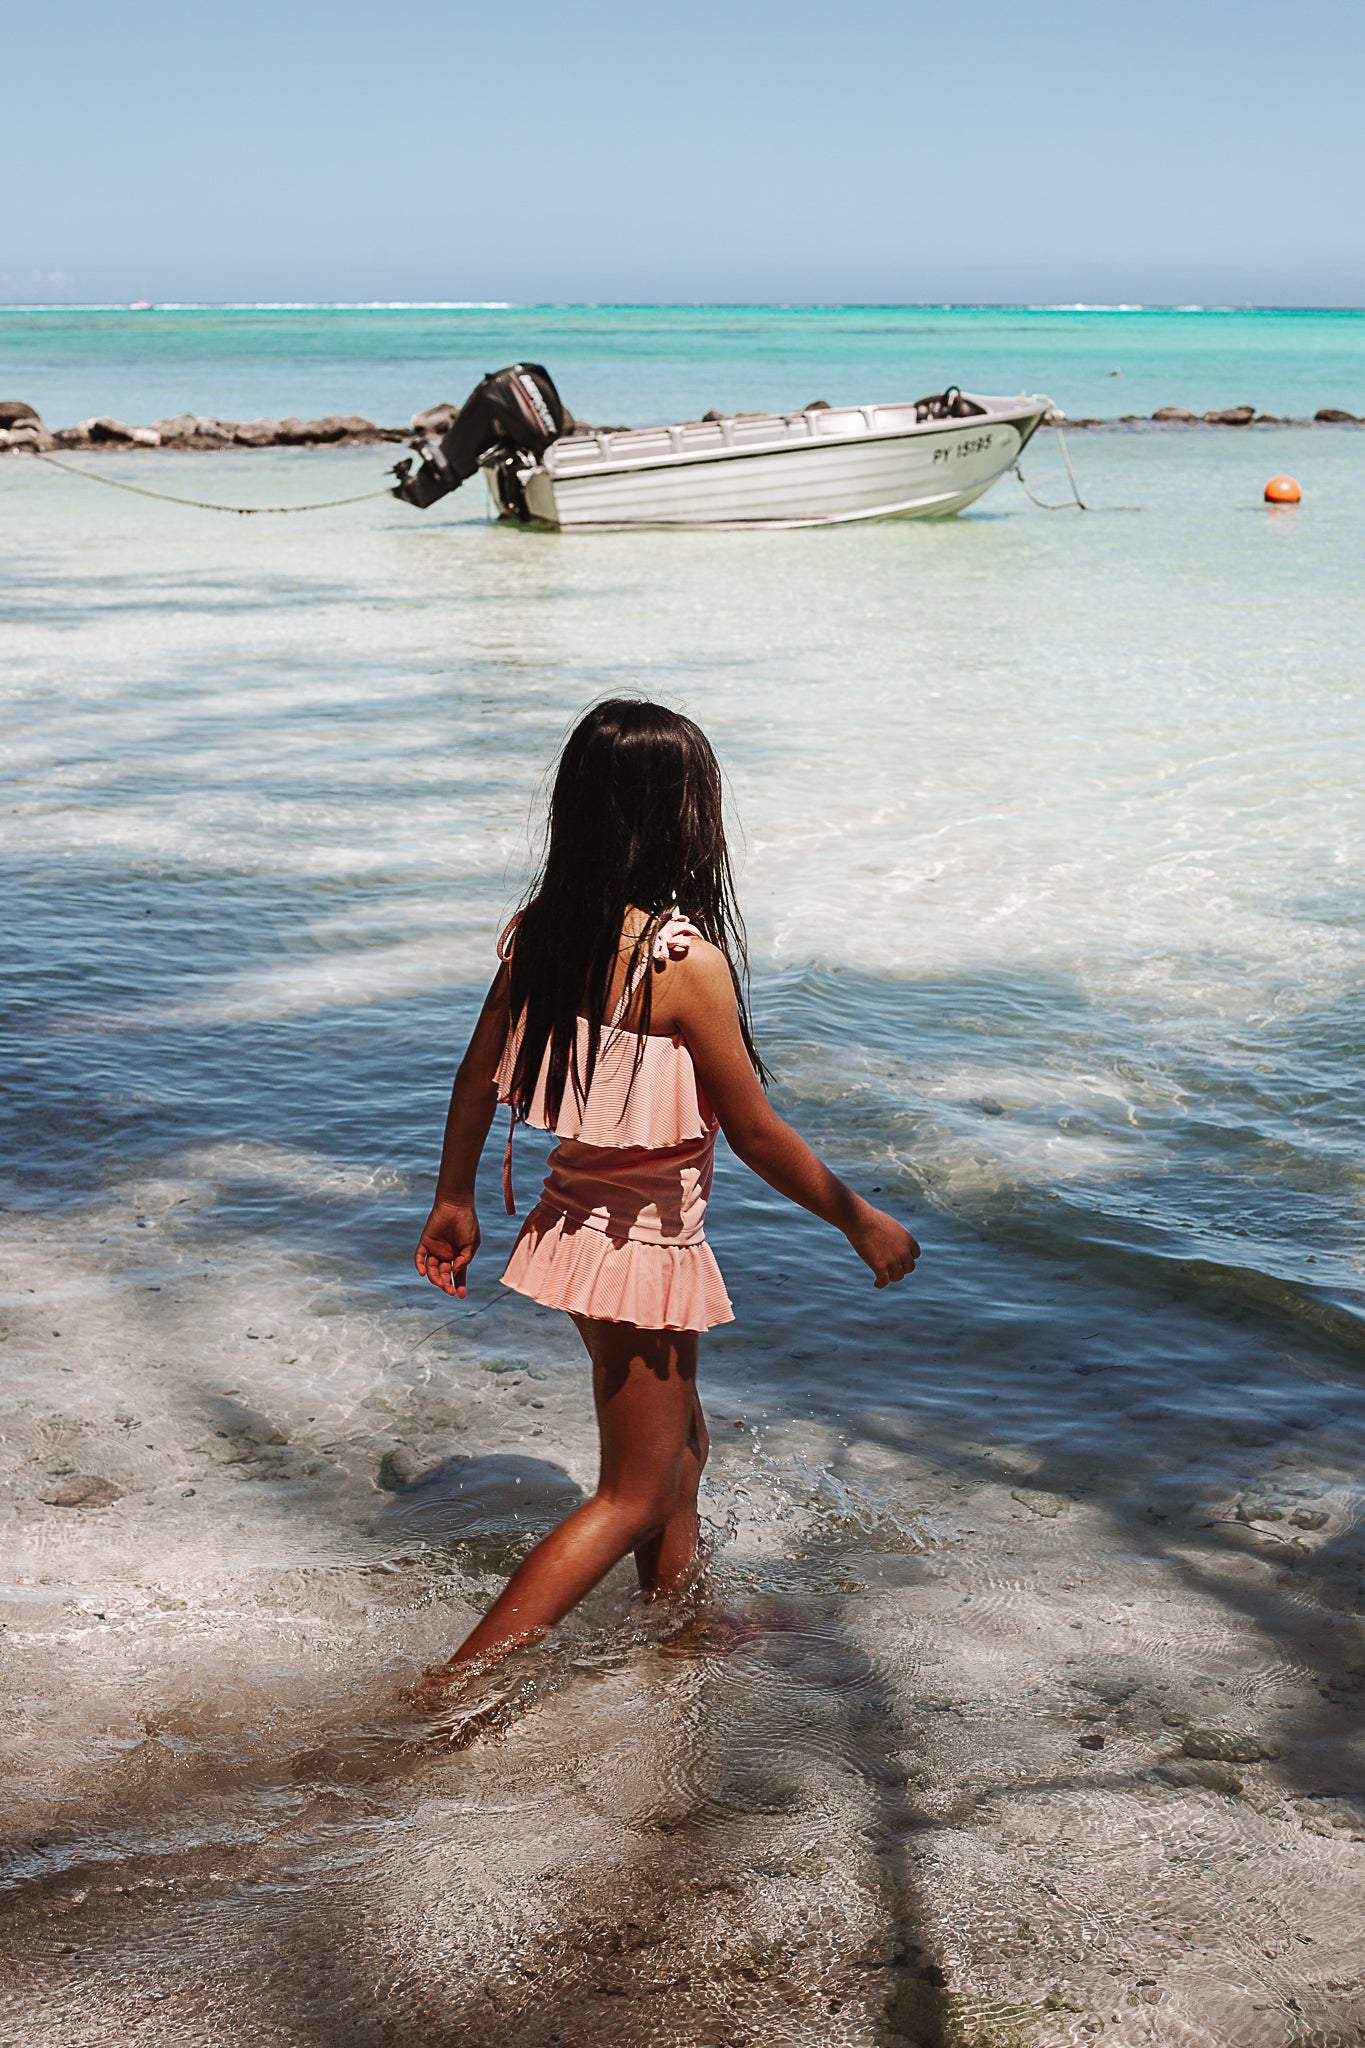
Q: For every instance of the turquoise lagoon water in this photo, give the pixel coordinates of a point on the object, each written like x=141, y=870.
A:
x=635, y=364
x=1051, y=852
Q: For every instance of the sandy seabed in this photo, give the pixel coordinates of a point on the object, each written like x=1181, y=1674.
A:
x=918, y=1770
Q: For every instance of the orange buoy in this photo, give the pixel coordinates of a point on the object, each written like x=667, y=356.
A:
x=1282, y=490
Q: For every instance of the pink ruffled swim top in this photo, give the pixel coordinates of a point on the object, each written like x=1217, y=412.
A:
x=617, y=1234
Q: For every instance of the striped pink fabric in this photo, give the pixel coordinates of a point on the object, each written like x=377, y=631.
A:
x=618, y=1231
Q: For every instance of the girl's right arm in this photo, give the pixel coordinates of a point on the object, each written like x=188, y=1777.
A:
x=451, y=1236
x=700, y=999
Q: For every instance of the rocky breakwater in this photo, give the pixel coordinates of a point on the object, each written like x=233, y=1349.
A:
x=1247, y=416
x=1227, y=416
x=22, y=429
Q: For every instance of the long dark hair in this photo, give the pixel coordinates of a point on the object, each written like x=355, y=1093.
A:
x=635, y=822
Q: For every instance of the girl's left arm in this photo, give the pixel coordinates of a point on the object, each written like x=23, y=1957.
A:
x=698, y=998
x=451, y=1235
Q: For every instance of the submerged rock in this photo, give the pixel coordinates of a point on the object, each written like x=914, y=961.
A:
x=83, y=1490
x=1210, y=1777
x=1049, y=1505
x=1220, y=1745
x=398, y=1470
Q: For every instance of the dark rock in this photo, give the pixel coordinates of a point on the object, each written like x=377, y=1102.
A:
x=1116, y=1690
x=1048, y=1505
x=437, y=419
x=1308, y=1518
x=28, y=434
x=1333, y=416
x=398, y=1469
x=349, y=426
x=83, y=1490
x=1177, y=412
x=1210, y=1776
x=12, y=410
x=232, y=1419
x=72, y=437
x=257, y=434
x=816, y=405
x=196, y=430
x=1090, y=1741
x=1259, y=1511
x=714, y=416
x=114, y=433
x=1231, y=416
x=1269, y=419
x=335, y=427
x=1220, y=1745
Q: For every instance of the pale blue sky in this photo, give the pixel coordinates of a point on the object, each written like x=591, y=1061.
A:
x=807, y=151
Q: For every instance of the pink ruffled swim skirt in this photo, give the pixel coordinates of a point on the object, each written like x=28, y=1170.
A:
x=617, y=1236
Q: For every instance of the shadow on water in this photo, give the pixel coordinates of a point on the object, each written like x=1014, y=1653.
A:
x=489, y=1501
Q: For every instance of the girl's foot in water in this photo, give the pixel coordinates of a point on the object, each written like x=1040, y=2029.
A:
x=457, y=1700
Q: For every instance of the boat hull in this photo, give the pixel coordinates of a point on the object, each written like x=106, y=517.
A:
x=815, y=469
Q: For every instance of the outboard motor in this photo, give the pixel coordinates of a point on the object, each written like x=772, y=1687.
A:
x=516, y=410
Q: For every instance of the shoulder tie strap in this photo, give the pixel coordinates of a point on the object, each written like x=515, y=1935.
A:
x=509, y=1199
x=672, y=940
x=506, y=942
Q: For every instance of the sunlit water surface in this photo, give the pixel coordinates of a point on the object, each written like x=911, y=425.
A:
x=1051, y=838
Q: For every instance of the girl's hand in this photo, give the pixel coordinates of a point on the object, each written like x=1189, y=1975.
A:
x=884, y=1245
x=447, y=1245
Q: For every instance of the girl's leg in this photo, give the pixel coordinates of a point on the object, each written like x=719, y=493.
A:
x=664, y=1562
x=653, y=1447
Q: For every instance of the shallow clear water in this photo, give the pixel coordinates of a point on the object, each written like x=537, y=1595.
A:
x=1052, y=865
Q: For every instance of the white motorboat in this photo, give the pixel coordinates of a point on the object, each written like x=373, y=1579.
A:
x=823, y=466
x=818, y=468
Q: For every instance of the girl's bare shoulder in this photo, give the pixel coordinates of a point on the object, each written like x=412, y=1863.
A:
x=699, y=977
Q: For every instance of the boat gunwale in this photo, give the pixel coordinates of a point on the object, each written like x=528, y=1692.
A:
x=680, y=459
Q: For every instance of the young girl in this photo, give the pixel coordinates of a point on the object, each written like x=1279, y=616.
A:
x=618, y=1021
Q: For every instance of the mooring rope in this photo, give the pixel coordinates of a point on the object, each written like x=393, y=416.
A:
x=203, y=504
x=1076, y=499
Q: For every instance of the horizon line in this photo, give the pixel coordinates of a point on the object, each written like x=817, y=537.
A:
x=657, y=305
